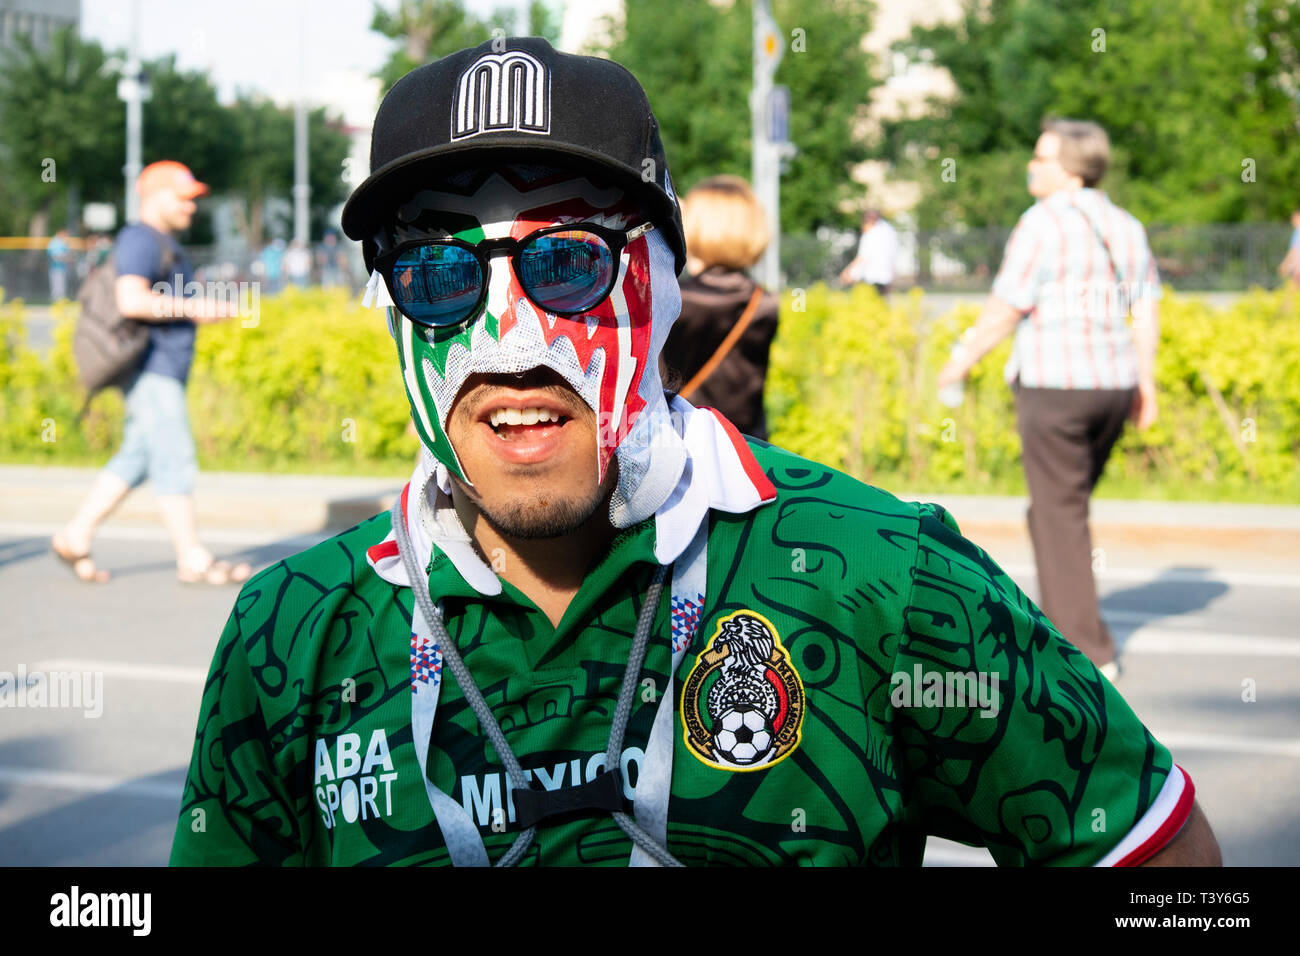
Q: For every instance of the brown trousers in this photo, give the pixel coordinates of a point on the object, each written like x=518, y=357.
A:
x=1066, y=436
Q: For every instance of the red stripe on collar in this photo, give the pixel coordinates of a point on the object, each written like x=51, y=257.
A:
x=765, y=489
x=388, y=549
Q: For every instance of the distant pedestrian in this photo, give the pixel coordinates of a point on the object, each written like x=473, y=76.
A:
x=329, y=260
x=98, y=248
x=1073, y=269
x=877, y=254
x=297, y=263
x=269, y=265
x=60, y=256
x=152, y=272
x=723, y=363
x=1289, y=269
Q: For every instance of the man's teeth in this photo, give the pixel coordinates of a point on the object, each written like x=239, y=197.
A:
x=523, y=416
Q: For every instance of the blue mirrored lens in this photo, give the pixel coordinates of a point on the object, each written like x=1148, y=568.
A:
x=569, y=271
x=437, y=284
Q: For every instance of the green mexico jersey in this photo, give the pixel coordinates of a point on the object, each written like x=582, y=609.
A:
x=860, y=675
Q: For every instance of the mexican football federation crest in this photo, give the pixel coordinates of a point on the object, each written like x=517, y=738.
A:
x=743, y=703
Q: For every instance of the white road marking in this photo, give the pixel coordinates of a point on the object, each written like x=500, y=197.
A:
x=302, y=539
x=89, y=783
x=1201, y=622
x=164, y=673
x=249, y=537
x=1157, y=640
x=1229, y=743
x=1263, y=579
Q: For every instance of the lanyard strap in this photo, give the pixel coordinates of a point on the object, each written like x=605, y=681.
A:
x=431, y=647
x=654, y=783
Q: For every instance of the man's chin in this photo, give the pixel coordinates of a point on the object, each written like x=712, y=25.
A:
x=536, y=516
x=542, y=522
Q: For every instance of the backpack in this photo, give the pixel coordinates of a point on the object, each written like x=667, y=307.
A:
x=108, y=346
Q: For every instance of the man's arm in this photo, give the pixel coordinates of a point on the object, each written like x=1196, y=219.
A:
x=136, y=299
x=1194, y=845
x=1052, y=767
x=853, y=271
x=1289, y=262
x=996, y=322
x=237, y=808
x=1146, y=333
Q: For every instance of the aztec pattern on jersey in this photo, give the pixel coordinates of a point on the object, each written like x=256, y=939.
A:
x=304, y=752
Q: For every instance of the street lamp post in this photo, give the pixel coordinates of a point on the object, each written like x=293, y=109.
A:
x=769, y=46
x=133, y=89
x=301, y=183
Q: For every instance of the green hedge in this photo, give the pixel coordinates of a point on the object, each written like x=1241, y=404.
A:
x=314, y=387
x=852, y=383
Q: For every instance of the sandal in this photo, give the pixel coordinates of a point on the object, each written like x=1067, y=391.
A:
x=217, y=573
x=91, y=575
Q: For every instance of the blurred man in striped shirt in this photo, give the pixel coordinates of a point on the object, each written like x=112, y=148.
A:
x=1074, y=270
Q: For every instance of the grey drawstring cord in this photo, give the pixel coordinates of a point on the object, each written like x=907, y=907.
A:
x=457, y=666
x=613, y=753
x=488, y=722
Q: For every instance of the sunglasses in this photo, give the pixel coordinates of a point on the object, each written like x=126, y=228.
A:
x=565, y=270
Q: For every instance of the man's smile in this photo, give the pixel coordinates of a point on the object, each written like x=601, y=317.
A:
x=523, y=419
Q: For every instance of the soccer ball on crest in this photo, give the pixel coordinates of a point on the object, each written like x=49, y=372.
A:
x=744, y=735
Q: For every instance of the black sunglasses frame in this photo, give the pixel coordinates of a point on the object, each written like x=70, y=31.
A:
x=615, y=239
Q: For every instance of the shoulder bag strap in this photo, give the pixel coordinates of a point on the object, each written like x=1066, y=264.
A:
x=1114, y=266
x=727, y=345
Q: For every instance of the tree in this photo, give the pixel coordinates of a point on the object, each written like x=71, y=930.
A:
x=969, y=153
x=184, y=121
x=62, y=136
x=430, y=29
x=1187, y=92
x=264, y=147
x=695, y=62
x=61, y=131
x=1202, y=97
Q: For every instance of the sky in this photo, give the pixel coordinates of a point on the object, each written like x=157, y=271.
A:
x=253, y=45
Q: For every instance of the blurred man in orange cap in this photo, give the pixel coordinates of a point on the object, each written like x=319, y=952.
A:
x=171, y=175
x=152, y=273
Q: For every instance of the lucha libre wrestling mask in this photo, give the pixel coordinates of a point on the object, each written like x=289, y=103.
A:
x=607, y=353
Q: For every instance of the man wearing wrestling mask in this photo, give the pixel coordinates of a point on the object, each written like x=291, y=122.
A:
x=601, y=626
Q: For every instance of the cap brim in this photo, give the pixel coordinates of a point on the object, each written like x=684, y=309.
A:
x=375, y=200
x=194, y=192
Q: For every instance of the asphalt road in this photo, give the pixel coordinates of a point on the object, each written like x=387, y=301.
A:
x=104, y=791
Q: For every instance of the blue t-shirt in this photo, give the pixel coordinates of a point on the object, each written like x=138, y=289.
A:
x=57, y=250
x=139, y=252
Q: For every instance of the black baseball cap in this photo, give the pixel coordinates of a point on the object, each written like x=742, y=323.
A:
x=514, y=100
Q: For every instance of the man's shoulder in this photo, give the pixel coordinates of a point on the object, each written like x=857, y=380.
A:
x=814, y=492
x=833, y=547
x=137, y=232
x=1098, y=202
x=137, y=250
x=1041, y=214
x=336, y=565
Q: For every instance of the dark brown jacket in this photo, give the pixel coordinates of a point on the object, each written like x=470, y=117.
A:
x=711, y=305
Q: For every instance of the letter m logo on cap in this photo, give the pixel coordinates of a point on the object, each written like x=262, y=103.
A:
x=502, y=92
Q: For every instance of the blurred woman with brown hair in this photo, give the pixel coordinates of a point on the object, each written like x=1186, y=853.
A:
x=720, y=343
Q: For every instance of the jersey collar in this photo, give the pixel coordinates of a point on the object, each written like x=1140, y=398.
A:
x=721, y=473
